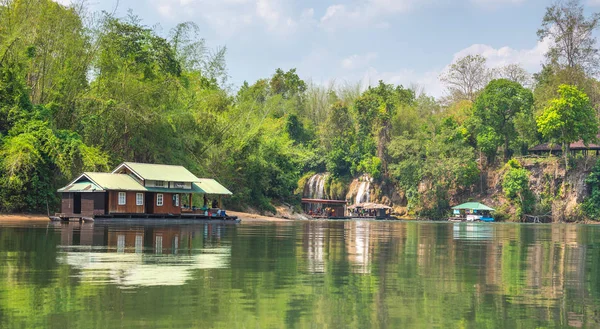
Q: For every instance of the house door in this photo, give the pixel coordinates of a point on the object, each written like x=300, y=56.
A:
x=149, y=201
x=77, y=203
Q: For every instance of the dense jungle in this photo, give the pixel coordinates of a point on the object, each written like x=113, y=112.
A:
x=84, y=91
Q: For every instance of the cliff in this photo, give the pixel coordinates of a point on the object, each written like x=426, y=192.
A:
x=556, y=195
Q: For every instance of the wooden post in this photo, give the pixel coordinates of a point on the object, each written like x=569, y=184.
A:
x=190, y=203
x=220, y=204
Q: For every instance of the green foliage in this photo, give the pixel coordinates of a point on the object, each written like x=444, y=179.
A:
x=591, y=205
x=371, y=166
x=337, y=187
x=515, y=185
x=78, y=93
x=568, y=118
x=496, y=108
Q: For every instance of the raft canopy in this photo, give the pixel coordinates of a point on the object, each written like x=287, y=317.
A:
x=210, y=186
x=473, y=206
x=369, y=205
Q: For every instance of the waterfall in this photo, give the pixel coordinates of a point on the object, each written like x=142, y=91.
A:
x=321, y=188
x=360, y=190
x=363, y=194
x=315, y=187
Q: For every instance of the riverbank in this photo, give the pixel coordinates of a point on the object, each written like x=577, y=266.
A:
x=23, y=217
x=245, y=217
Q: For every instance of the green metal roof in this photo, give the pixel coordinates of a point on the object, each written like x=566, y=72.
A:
x=211, y=186
x=110, y=181
x=85, y=186
x=160, y=172
x=473, y=206
x=122, y=182
x=194, y=189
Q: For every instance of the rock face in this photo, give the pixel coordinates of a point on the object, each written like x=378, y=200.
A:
x=557, y=195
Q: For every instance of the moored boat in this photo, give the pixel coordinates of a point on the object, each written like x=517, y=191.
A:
x=472, y=211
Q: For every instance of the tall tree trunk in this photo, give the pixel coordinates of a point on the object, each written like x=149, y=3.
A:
x=505, y=148
x=566, y=151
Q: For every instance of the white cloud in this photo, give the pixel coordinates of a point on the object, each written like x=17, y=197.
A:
x=271, y=13
x=372, y=13
x=368, y=13
x=530, y=59
x=497, y=2
x=228, y=17
x=63, y=2
x=358, y=61
x=406, y=77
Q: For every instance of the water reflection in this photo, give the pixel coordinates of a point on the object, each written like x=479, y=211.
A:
x=140, y=255
x=336, y=274
x=473, y=231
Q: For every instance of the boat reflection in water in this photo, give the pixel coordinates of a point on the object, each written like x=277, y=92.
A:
x=142, y=256
x=473, y=231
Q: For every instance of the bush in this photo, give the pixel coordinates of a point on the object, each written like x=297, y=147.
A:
x=591, y=205
x=515, y=185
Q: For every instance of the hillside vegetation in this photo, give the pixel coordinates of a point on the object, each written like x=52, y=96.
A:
x=82, y=91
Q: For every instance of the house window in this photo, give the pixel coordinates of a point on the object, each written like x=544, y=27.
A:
x=139, y=199
x=159, y=200
x=122, y=198
x=176, y=200
x=159, y=183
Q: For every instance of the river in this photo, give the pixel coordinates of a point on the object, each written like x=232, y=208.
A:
x=299, y=274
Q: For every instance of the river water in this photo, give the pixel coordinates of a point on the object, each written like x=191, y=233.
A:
x=317, y=274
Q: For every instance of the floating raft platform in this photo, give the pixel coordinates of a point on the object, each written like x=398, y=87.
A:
x=166, y=218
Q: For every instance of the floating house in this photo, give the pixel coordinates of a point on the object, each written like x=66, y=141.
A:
x=473, y=211
x=371, y=210
x=321, y=208
x=140, y=190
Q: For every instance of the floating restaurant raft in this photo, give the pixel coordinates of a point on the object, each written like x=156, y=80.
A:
x=371, y=210
x=472, y=211
x=321, y=208
x=141, y=191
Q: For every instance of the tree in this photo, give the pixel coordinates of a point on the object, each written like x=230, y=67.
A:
x=194, y=55
x=466, y=77
x=571, y=33
x=591, y=204
x=515, y=184
x=496, y=108
x=288, y=84
x=568, y=119
x=514, y=72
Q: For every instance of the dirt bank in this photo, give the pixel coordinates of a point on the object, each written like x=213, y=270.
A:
x=254, y=218
x=23, y=217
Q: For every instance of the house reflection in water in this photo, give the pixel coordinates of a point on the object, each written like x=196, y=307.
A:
x=142, y=256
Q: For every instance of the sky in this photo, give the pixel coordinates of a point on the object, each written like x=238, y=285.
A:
x=408, y=42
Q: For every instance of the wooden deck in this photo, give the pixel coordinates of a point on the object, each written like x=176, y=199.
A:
x=184, y=216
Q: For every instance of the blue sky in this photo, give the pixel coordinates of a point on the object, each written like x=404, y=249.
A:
x=348, y=41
